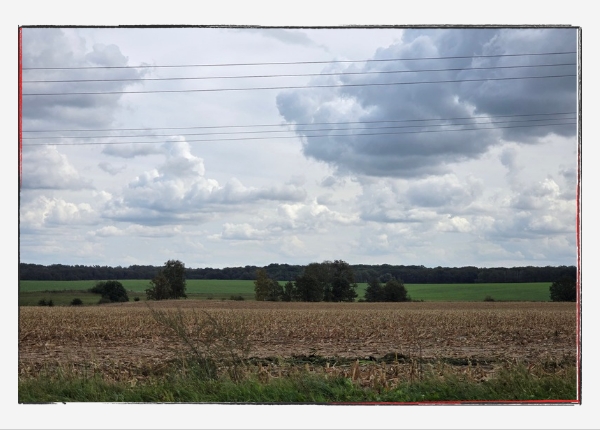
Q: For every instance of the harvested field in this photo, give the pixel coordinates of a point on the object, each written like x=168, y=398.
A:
x=126, y=341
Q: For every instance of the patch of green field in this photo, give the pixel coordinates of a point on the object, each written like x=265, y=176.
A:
x=533, y=291
x=224, y=289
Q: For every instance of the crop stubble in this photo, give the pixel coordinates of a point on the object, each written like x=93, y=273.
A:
x=125, y=339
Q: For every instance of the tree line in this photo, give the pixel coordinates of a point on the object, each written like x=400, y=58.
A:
x=329, y=281
x=285, y=272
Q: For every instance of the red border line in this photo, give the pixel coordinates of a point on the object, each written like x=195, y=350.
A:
x=20, y=107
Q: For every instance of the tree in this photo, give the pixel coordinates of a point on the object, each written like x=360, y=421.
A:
x=563, y=290
x=312, y=285
x=174, y=271
x=112, y=291
x=275, y=291
x=169, y=282
x=374, y=291
x=394, y=291
x=343, y=285
x=159, y=288
x=289, y=292
x=261, y=285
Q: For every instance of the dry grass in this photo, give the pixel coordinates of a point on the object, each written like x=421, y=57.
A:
x=374, y=344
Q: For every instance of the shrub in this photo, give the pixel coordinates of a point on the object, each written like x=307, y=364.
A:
x=238, y=298
x=76, y=302
x=488, y=299
x=50, y=302
x=209, y=342
x=563, y=290
x=136, y=299
x=42, y=302
x=113, y=291
x=103, y=300
x=394, y=291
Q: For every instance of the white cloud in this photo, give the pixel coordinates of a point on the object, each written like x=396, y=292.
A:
x=44, y=212
x=46, y=168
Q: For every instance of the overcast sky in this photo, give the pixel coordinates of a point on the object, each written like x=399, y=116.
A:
x=346, y=159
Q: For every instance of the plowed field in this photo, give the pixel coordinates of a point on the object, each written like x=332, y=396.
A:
x=125, y=338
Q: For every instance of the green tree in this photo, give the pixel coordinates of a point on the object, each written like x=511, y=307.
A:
x=275, y=291
x=169, y=282
x=262, y=285
x=394, y=291
x=563, y=290
x=159, y=288
x=374, y=291
x=314, y=283
x=174, y=271
x=343, y=284
x=111, y=290
x=289, y=292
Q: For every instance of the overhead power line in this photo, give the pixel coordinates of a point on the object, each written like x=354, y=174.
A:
x=40, y=81
x=300, y=62
x=296, y=131
x=304, y=124
x=299, y=86
x=305, y=136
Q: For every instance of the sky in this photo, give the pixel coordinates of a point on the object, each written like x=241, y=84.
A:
x=239, y=146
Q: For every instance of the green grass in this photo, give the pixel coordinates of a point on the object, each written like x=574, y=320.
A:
x=224, y=289
x=533, y=291
x=509, y=385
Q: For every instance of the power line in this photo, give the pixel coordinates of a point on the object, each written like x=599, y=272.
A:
x=299, y=62
x=294, y=137
x=295, y=75
x=297, y=131
x=298, y=87
x=304, y=124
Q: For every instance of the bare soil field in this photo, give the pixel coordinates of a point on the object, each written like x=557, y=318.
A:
x=126, y=341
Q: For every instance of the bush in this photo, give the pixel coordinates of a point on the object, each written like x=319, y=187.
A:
x=42, y=302
x=136, y=299
x=103, y=300
x=113, y=291
x=488, y=299
x=76, y=302
x=238, y=298
x=394, y=291
x=563, y=290
x=50, y=302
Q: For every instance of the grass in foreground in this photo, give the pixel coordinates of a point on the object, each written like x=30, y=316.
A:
x=514, y=384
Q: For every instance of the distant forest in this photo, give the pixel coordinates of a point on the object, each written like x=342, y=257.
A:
x=288, y=272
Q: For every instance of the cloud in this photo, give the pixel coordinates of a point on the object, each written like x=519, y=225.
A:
x=131, y=150
x=443, y=191
x=43, y=212
x=52, y=47
x=46, y=168
x=242, y=232
x=384, y=147
x=288, y=37
x=137, y=230
x=177, y=190
x=110, y=169
x=309, y=217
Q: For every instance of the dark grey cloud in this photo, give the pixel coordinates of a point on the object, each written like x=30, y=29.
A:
x=419, y=148
x=51, y=47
